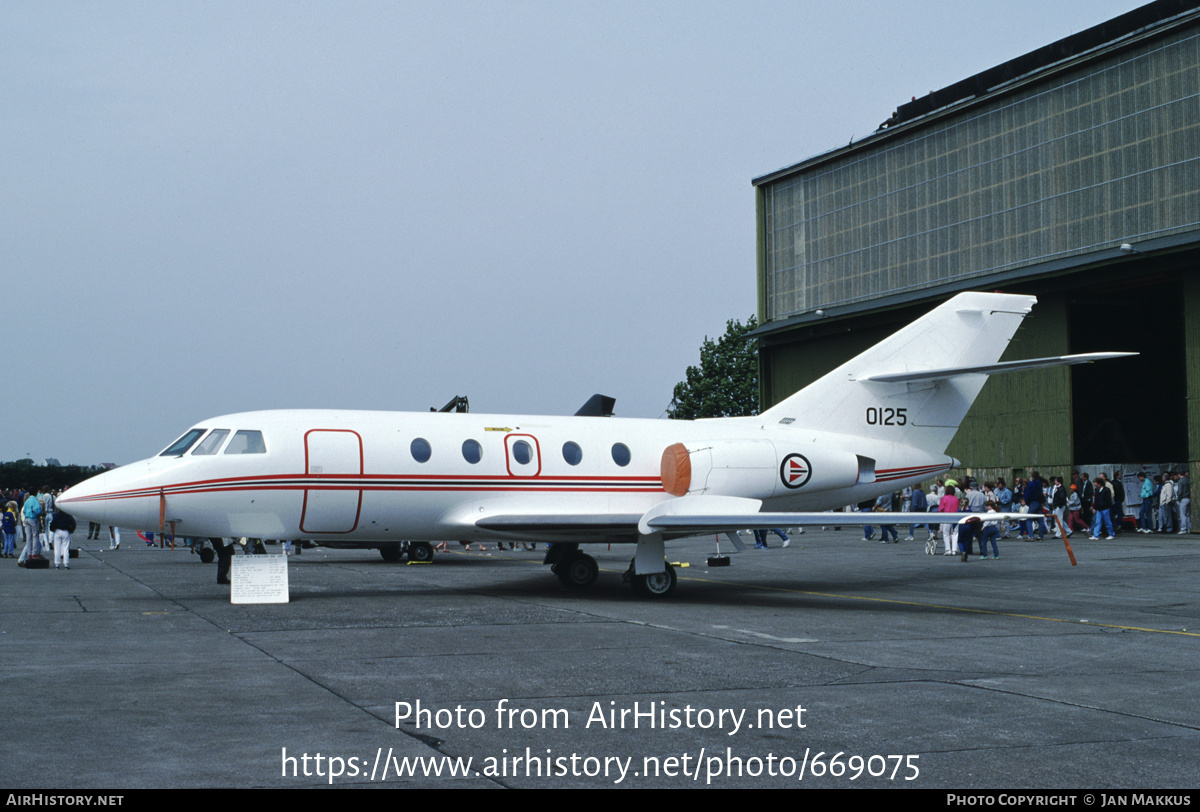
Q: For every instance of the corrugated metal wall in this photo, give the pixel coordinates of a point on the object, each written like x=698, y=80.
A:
x=1104, y=154
x=789, y=368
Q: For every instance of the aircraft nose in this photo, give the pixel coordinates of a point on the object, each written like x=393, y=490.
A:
x=112, y=497
x=86, y=500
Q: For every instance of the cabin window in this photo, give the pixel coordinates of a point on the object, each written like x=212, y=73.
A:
x=572, y=453
x=247, y=442
x=620, y=454
x=421, y=450
x=472, y=451
x=180, y=446
x=522, y=452
x=212, y=443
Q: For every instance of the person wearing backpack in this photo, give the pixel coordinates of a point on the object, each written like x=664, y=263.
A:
x=31, y=514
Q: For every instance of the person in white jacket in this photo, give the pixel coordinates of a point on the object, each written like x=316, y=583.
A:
x=1166, y=506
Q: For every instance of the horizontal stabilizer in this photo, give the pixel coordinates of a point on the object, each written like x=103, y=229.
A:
x=993, y=369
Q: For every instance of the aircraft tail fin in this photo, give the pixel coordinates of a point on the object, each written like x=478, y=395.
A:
x=916, y=385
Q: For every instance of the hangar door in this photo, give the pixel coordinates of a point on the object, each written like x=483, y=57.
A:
x=1131, y=409
x=334, y=465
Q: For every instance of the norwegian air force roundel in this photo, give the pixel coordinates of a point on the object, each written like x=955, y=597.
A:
x=795, y=471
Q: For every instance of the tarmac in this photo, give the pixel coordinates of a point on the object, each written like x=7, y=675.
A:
x=835, y=662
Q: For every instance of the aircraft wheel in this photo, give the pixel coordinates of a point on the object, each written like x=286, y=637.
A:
x=207, y=555
x=420, y=551
x=656, y=584
x=577, y=572
x=390, y=552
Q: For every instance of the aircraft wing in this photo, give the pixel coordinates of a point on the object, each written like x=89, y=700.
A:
x=697, y=515
x=565, y=527
x=694, y=525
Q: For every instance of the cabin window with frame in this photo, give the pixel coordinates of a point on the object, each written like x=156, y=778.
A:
x=522, y=452
x=247, y=442
x=472, y=451
x=420, y=449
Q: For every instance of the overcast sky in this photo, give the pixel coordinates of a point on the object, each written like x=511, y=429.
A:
x=215, y=207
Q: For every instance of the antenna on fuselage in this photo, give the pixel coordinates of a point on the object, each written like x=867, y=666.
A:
x=597, y=406
x=458, y=403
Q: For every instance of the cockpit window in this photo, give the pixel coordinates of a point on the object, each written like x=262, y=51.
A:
x=247, y=442
x=211, y=443
x=180, y=446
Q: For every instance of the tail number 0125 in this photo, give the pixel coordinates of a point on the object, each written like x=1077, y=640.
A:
x=886, y=416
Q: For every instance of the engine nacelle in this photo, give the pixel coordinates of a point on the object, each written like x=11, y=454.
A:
x=728, y=468
x=813, y=470
x=759, y=469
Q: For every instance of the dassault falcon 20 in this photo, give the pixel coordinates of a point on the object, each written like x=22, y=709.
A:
x=875, y=424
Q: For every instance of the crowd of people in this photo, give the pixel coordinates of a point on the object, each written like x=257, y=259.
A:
x=1094, y=505
x=31, y=517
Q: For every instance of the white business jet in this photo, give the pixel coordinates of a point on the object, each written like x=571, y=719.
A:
x=877, y=423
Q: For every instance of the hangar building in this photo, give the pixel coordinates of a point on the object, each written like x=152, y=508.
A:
x=1071, y=173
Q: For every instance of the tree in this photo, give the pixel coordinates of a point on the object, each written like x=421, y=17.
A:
x=726, y=382
x=25, y=474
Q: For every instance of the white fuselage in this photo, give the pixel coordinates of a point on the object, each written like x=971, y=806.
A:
x=377, y=476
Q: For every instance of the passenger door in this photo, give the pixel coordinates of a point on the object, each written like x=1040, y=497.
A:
x=334, y=465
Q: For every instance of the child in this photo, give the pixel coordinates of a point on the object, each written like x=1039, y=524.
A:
x=8, y=524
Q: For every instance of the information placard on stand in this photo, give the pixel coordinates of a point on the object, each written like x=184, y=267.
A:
x=259, y=579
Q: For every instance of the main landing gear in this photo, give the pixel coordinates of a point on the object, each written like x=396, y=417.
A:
x=578, y=570
x=420, y=551
x=574, y=569
x=653, y=584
